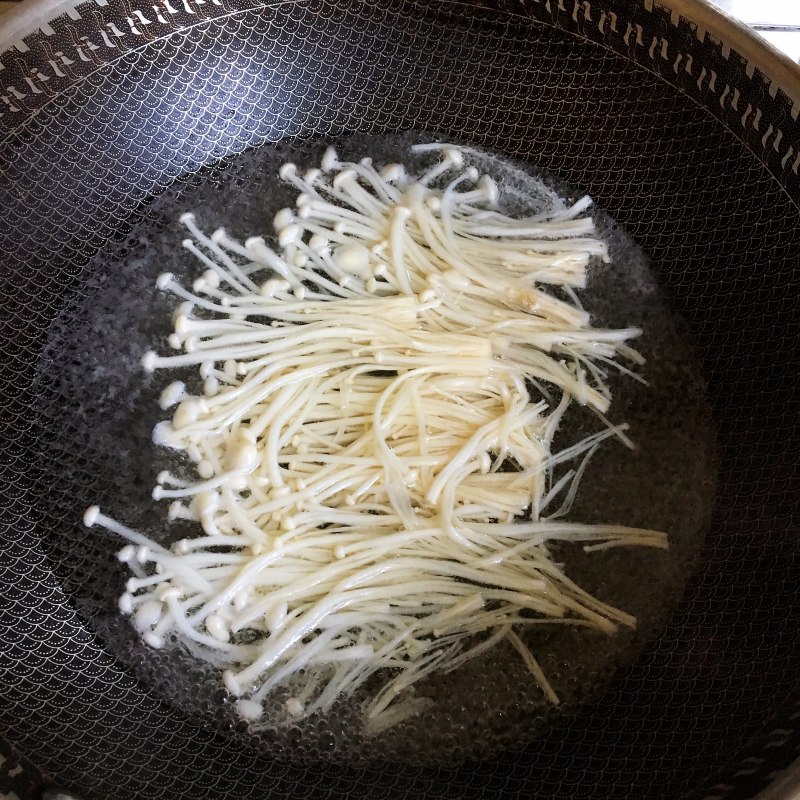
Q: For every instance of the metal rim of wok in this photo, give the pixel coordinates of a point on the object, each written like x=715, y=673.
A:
x=73, y=715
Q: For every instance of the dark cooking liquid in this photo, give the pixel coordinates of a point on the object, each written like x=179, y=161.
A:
x=102, y=406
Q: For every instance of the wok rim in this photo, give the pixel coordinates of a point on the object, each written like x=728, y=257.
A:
x=31, y=17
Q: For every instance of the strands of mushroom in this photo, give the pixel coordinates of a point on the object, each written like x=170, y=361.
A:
x=371, y=458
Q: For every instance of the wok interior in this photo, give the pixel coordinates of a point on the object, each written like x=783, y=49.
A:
x=721, y=235
x=101, y=404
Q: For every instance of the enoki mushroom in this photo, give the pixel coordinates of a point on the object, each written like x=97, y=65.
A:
x=370, y=455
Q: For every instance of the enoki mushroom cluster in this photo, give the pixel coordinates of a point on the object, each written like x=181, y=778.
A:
x=370, y=453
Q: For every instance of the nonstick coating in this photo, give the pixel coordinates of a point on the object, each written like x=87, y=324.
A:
x=674, y=135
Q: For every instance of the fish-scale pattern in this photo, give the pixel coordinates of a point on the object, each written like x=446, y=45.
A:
x=707, y=187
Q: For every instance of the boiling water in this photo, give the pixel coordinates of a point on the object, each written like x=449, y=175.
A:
x=97, y=409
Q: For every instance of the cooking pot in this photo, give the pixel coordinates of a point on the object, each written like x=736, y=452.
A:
x=680, y=124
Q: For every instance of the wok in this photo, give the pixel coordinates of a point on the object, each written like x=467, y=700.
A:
x=115, y=113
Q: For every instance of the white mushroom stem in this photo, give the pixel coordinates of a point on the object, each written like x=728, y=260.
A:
x=369, y=434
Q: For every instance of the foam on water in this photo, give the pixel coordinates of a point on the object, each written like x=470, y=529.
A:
x=97, y=409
